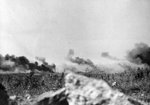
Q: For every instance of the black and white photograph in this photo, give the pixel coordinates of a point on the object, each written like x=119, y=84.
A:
x=74, y=52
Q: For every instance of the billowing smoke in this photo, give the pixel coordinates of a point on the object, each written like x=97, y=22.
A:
x=140, y=54
x=86, y=65
x=107, y=55
x=12, y=63
x=42, y=60
x=45, y=64
x=78, y=60
x=6, y=64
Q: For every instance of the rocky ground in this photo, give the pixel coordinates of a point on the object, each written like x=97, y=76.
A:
x=78, y=90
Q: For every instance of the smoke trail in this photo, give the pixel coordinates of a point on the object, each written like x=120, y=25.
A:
x=107, y=55
x=90, y=67
x=78, y=60
x=140, y=54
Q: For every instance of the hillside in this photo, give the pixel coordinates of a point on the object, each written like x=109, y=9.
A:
x=135, y=83
x=21, y=83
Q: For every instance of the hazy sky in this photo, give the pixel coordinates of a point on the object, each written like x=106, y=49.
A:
x=49, y=28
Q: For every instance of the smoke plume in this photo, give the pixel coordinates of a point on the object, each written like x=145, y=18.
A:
x=140, y=54
x=12, y=63
x=107, y=55
x=78, y=60
x=42, y=60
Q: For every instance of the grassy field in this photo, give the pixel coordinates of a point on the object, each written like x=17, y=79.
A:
x=21, y=84
x=135, y=83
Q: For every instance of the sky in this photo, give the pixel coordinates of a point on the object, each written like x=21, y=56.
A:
x=49, y=28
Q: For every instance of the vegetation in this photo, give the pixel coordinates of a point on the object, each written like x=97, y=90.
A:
x=135, y=83
x=21, y=84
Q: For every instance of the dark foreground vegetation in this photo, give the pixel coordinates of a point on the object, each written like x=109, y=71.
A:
x=22, y=84
x=135, y=83
x=42, y=76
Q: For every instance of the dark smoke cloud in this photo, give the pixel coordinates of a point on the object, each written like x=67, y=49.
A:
x=107, y=55
x=42, y=60
x=140, y=54
x=78, y=60
x=12, y=63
